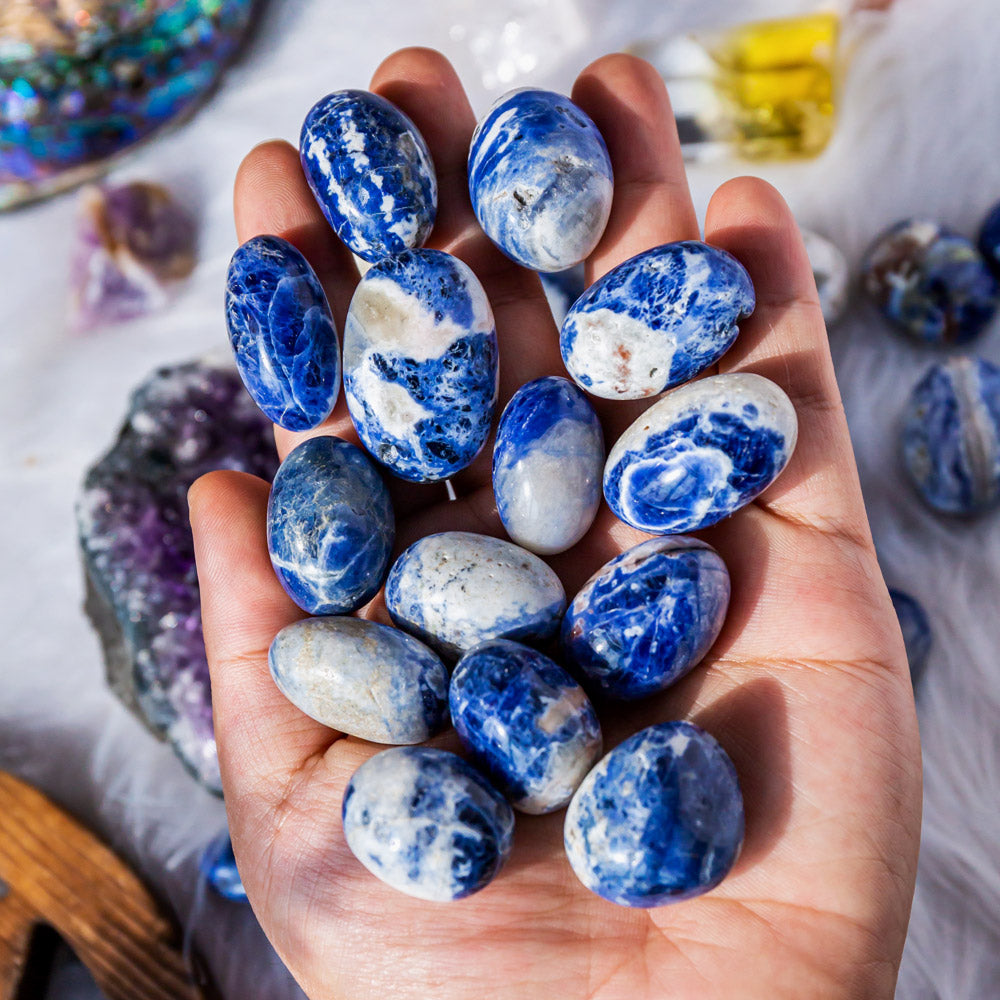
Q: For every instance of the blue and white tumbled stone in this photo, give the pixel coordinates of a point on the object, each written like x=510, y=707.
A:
x=547, y=463
x=361, y=678
x=656, y=320
x=371, y=173
x=427, y=823
x=282, y=333
x=218, y=866
x=540, y=179
x=660, y=819
x=831, y=274
x=330, y=526
x=647, y=617
x=527, y=723
x=702, y=452
x=989, y=239
x=562, y=289
x=457, y=589
x=420, y=364
x=951, y=436
x=916, y=629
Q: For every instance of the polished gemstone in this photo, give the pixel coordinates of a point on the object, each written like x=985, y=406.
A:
x=916, y=629
x=989, y=239
x=831, y=274
x=218, y=866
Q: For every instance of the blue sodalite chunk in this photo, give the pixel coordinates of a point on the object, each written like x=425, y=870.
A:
x=330, y=526
x=361, y=678
x=656, y=320
x=989, y=239
x=930, y=282
x=527, y=723
x=282, y=333
x=700, y=453
x=218, y=866
x=457, y=589
x=370, y=171
x=562, y=289
x=648, y=616
x=951, y=436
x=916, y=628
x=660, y=819
x=427, y=823
x=420, y=364
x=540, y=179
x=547, y=464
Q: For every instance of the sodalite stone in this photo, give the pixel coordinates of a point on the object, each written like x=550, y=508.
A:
x=989, y=239
x=330, y=526
x=648, y=616
x=562, y=289
x=547, y=464
x=656, y=320
x=831, y=274
x=218, y=866
x=282, y=333
x=427, y=823
x=456, y=589
x=660, y=819
x=420, y=364
x=361, y=678
x=540, y=179
x=700, y=453
x=930, y=282
x=527, y=723
x=371, y=173
x=916, y=629
x=951, y=436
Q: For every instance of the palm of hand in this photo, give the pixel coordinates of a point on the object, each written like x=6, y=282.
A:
x=807, y=688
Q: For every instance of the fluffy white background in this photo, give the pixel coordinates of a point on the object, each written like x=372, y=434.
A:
x=919, y=134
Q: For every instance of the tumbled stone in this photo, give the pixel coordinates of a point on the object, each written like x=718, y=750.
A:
x=916, y=629
x=658, y=820
x=527, y=723
x=218, y=867
x=427, y=823
x=656, y=320
x=831, y=274
x=989, y=239
x=562, y=289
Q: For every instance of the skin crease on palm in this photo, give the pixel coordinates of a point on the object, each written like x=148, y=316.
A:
x=807, y=688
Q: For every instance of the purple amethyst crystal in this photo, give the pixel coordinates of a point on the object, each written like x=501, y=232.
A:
x=142, y=588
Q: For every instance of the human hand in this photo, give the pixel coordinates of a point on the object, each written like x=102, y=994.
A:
x=807, y=688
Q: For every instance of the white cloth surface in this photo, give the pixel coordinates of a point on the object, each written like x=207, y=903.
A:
x=919, y=134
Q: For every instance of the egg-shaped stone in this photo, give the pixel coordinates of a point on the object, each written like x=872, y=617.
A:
x=658, y=820
x=282, y=333
x=370, y=171
x=700, y=453
x=361, y=678
x=457, y=589
x=916, y=629
x=527, y=723
x=989, y=239
x=932, y=283
x=420, y=364
x=831, y=274
x=656, y=320
x=427, y=823
x=540, y=179
x=951, y=436
x=547, y=464
x=330, y=526
x=562, y=289
x=647, y=617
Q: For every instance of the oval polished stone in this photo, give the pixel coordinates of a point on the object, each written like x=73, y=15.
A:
x=989, y=239
x=648, y=616
x=420, y=364
x=540, y=179
x=916, y=629
x=660, y=819
x=361, y=678
x=427, y=823
x=951, y=436
x=700, y=453
x=330, y=526
x=456, y=589
x=831, y=274
x=370, y=171
x=656, y=320
x=547, y=465
x=527, y=723
x=282, y=333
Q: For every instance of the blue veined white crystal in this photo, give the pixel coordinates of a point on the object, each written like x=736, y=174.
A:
x=656, y=320
x=427, y=823
x=700, y=453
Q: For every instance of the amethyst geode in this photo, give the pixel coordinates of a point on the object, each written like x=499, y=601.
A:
x=142, y=588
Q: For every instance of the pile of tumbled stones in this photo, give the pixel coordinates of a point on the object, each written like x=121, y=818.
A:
x=660, y=817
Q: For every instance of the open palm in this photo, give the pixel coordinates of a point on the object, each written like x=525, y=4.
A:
x=807, y=687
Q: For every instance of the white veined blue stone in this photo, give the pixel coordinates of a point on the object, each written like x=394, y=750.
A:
x=547, y=463
x=702, y=452
x=361, y=678
x=656, y=320
x=457, y=589
x=540, y=179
